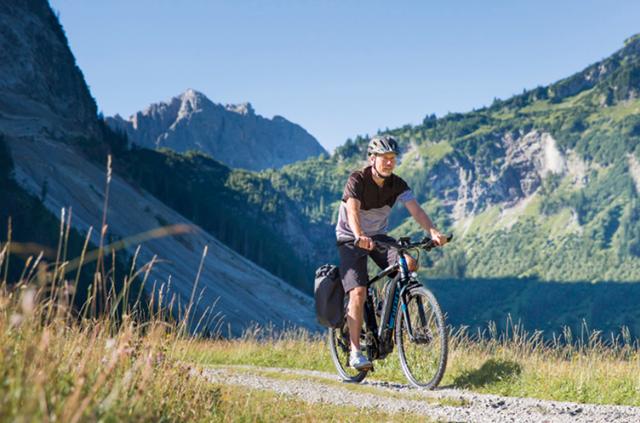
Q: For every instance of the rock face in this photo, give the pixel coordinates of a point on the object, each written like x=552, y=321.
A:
x=232, y=134
x=41, y=87
x=44, y=101
x=520, y=164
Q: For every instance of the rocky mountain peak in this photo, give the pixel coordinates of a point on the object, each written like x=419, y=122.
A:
x=192, y=95
x=191, y=101
x=242, y=109
x=233, y=134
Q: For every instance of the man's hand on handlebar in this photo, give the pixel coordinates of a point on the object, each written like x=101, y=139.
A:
x=365, y=242
x=438, y=238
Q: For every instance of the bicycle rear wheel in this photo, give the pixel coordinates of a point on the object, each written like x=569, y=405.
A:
x=422, y=341
x=339, y=345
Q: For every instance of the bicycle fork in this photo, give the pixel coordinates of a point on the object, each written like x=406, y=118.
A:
x=405, y=312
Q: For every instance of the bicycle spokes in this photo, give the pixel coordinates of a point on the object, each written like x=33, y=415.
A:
x=422, y=339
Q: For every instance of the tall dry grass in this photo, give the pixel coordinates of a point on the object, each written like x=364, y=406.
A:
x=111, y=358
x=58, y=363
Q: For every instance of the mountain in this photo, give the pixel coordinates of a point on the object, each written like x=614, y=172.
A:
x=53, y=148
x=542, y=184
x=545, y=183
x=539, y=188
x=232, y=134
x=42, y=88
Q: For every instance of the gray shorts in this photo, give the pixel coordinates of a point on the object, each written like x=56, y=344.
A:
x=353, y=261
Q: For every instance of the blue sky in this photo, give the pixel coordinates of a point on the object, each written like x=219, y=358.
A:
x=337, y=68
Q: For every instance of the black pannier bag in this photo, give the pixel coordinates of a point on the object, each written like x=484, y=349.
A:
x=329, y=295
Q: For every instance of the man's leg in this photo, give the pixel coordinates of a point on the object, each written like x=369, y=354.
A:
x=353, y=271
x=355, y=313
x=412, y=264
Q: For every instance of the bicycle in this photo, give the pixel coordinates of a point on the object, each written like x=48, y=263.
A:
x=420, y=330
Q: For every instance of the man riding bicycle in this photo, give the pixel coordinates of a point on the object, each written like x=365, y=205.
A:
x=363, y=218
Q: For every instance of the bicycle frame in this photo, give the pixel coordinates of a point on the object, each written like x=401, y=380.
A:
x=383, y=335
x=378, y=337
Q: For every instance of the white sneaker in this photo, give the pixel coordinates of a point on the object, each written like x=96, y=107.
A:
x=358, y=361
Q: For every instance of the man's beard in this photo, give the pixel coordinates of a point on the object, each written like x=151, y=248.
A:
x=379, y=174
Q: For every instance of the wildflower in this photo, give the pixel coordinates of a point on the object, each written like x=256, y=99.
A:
x=15, y=320
x=109, y=344
x=28, y=302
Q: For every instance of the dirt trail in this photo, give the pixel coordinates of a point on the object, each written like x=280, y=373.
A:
x=442, y=404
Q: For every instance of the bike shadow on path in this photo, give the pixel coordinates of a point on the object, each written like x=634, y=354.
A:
x=492, y=371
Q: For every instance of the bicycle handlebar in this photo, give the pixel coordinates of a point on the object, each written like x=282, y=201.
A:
x=405, y=243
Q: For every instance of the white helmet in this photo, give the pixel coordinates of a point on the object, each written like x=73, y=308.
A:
x=381, y=144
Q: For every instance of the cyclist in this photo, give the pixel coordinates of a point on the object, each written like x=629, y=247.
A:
x=363, y=218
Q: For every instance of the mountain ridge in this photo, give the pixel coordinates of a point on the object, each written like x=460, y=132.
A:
x=562, y=162
x=48, y=153
x=233, y=134
x=40, y=77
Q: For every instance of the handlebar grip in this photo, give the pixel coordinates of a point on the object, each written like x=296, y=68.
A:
x=430, y=244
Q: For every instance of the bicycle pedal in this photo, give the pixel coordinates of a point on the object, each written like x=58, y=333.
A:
x=363, y=369
x=370, y=369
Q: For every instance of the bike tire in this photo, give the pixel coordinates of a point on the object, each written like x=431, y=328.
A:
x=423, y=359
x=339, y=345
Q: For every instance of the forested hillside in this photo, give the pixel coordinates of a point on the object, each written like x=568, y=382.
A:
x=543, y=184
x=241, y=208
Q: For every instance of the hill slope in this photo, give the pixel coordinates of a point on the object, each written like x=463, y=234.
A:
x=47, y=117
x=542, y=184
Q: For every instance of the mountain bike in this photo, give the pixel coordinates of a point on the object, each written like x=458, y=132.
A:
x=409, y=315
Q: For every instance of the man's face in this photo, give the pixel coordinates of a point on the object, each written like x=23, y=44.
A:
x=384, y=163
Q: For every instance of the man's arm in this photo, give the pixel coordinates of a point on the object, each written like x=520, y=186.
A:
x=423, y=220
x=353, y=216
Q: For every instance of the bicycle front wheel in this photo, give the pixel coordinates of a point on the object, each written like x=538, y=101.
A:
x=421, y=337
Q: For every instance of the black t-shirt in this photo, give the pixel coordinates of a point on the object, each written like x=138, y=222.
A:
x=361, y=186
x=375, y=202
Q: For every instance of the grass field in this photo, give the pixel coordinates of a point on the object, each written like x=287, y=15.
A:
x=519, y=364
x=57, y=366
x=60, y=365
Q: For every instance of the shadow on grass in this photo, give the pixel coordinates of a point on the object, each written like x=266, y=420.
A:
x=492, y=371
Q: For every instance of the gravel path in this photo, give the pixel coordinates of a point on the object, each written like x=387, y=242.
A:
x=442, y=404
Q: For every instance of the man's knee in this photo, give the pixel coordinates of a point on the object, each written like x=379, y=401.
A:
x=412, y=263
